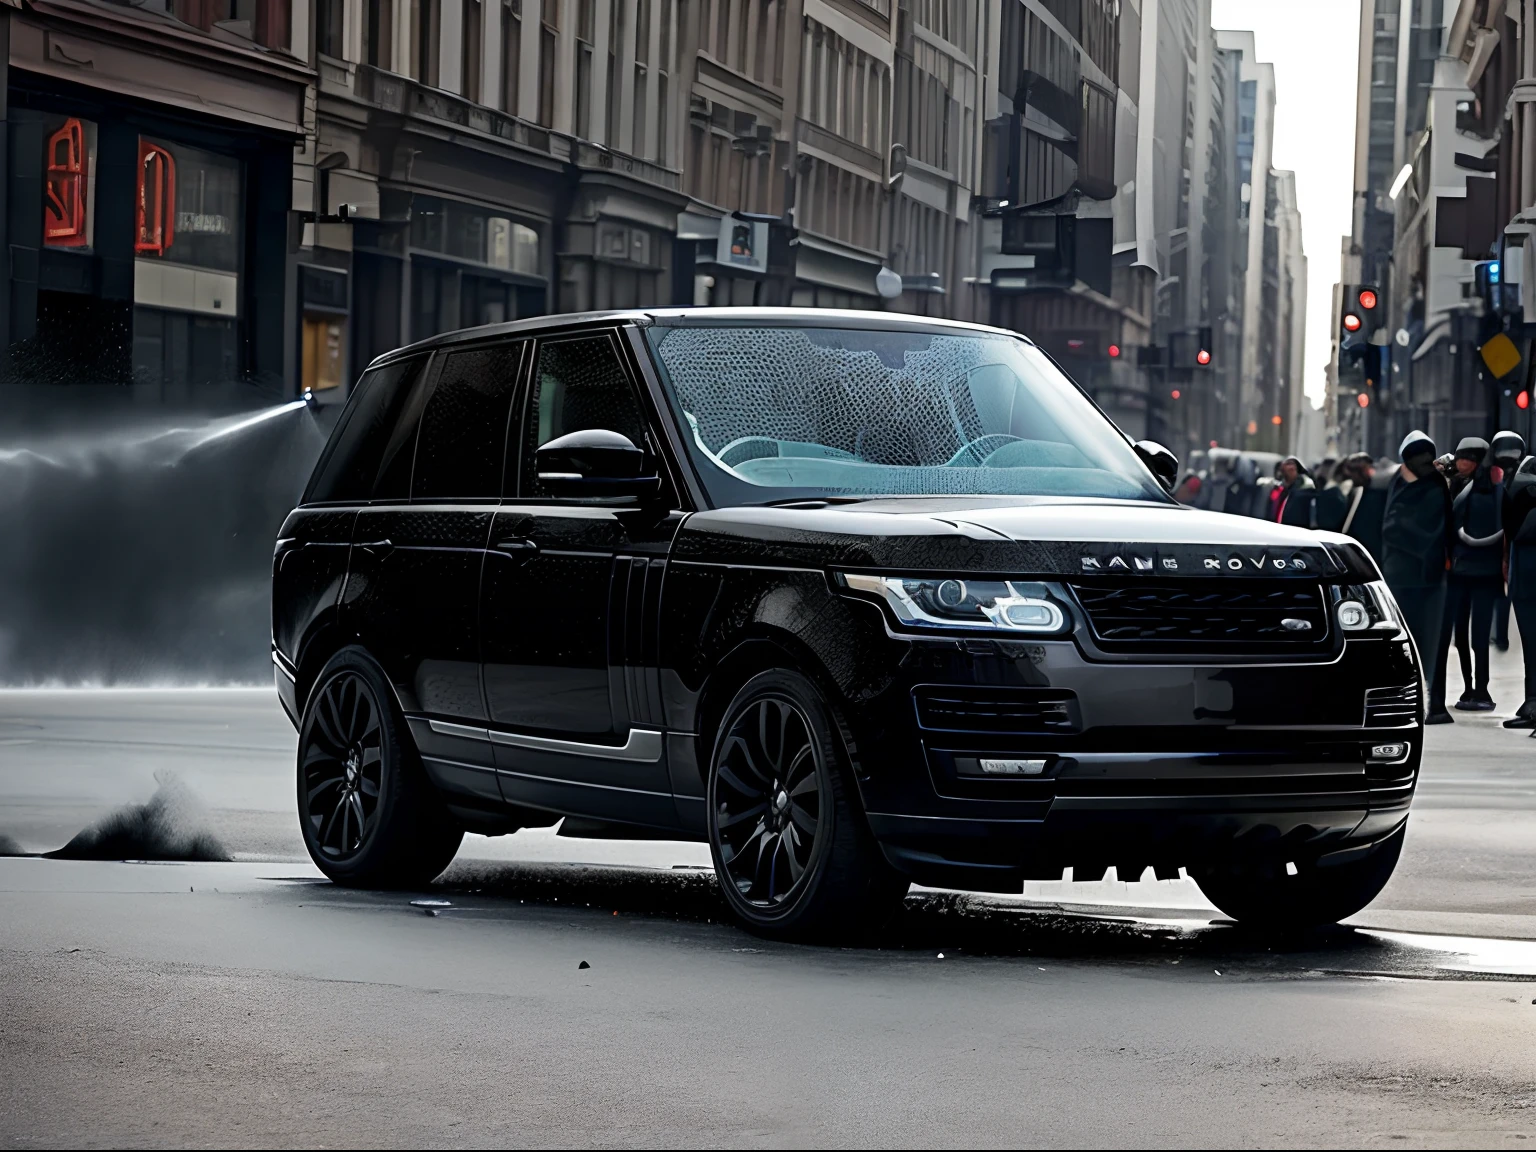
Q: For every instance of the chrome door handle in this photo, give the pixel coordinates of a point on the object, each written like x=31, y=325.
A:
x=518, y=548
x=379, y=548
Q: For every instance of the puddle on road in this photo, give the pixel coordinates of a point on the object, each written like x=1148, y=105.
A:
x=961, y=924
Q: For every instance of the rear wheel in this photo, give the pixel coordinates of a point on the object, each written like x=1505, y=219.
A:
x=1267, y=896
x=370, y=817
x=793, y=853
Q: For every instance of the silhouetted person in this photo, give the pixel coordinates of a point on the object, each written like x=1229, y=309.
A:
x=1296, y=492
x=1520, y=533
x=1507, y=448
x=1366, y=501
x=1415, y=534
x=1476, y=578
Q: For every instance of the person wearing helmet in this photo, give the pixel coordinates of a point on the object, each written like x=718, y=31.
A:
x=1520, y=533
x=1415, y=545
x=1507, y=449
x=1476, y=577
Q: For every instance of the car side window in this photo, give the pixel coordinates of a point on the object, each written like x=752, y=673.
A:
x=461, y=445
x=351, y=462
x=578, y=383
x=394, y=478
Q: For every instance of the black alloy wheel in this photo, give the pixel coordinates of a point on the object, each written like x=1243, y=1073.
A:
x=369, y=815
x=792, y=850
x=768, y=800
x=343, y=766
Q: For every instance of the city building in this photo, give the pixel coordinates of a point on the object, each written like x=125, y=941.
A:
x=335, y=178
x=153, y=153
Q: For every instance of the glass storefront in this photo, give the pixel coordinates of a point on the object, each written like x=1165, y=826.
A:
x=187, y=254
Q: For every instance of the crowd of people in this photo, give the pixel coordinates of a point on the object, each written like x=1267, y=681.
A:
x=1453, y=535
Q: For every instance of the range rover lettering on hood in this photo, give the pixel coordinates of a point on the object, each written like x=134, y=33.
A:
x=1204, y=560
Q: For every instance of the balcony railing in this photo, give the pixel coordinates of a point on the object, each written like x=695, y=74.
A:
x=407, y=97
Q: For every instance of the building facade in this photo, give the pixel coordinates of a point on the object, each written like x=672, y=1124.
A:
x=152, y=152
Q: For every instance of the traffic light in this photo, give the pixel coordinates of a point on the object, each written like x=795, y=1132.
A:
x=1363, y=313
x=1190, y=349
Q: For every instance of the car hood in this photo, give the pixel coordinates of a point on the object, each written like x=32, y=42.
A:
x=1014, y=535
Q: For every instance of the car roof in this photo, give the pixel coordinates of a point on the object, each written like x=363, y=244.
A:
x=681, y=317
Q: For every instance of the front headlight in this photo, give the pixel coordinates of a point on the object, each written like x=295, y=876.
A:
x=1369, y=609
x=995, y=605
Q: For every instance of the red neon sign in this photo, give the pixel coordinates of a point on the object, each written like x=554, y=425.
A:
x=156, y=216
x=65, y=190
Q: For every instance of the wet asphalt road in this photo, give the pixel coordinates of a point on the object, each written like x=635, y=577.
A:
x=251, y=1002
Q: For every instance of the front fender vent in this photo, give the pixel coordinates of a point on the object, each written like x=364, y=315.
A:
x=1391, y=707
x=997, y=711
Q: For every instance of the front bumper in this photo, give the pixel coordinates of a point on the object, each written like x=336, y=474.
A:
x=1134, y=765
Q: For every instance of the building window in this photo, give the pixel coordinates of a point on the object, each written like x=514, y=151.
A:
x=189, y=206
x=264, y=21
x=584, y=34
x=328, y=27
x=379, y=33
x=69, y=193
x=465, y=232
x=511, y=53
x=548, y=35
x=426, y=34
x=469, y=72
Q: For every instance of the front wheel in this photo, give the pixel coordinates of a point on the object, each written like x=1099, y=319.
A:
x=793, y=854
x=370, y=817
x=1267, y=896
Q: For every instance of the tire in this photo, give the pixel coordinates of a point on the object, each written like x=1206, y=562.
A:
x=1264, y=896
x=793, y=853
x=369, y=815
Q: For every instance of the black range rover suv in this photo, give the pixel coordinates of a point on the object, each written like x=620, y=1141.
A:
x=859, y=599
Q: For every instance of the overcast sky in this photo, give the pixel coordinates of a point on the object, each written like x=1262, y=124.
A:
x=1314, y=47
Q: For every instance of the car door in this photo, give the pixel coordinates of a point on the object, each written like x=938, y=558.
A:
x=418, y=551
x=569, y=607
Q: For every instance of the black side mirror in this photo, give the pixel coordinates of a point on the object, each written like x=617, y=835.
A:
x=1163, y=463
x=595, y=462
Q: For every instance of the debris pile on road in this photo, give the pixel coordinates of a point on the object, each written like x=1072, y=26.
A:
x=173, y=825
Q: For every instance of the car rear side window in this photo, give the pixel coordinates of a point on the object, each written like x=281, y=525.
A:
x=462, y=442
x=579, y=383
x=351, y=461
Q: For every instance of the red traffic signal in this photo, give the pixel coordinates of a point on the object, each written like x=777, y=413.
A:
x=1523, y=401
x=1364, y=400
x=1367, y=299
x=1351, y=322
x=1175, y=393
x=1114, y=351
x=1203, y=357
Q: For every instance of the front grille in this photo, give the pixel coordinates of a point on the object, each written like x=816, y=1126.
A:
x=1391, y=707
x=998, y=711
x=1216, y=615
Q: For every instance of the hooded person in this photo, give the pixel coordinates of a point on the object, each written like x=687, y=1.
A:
x=1507, y=449
x=1296, y=493
x=1476, y=577
x=1367, y=501
x=1415, y=545
x=1520, y=533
